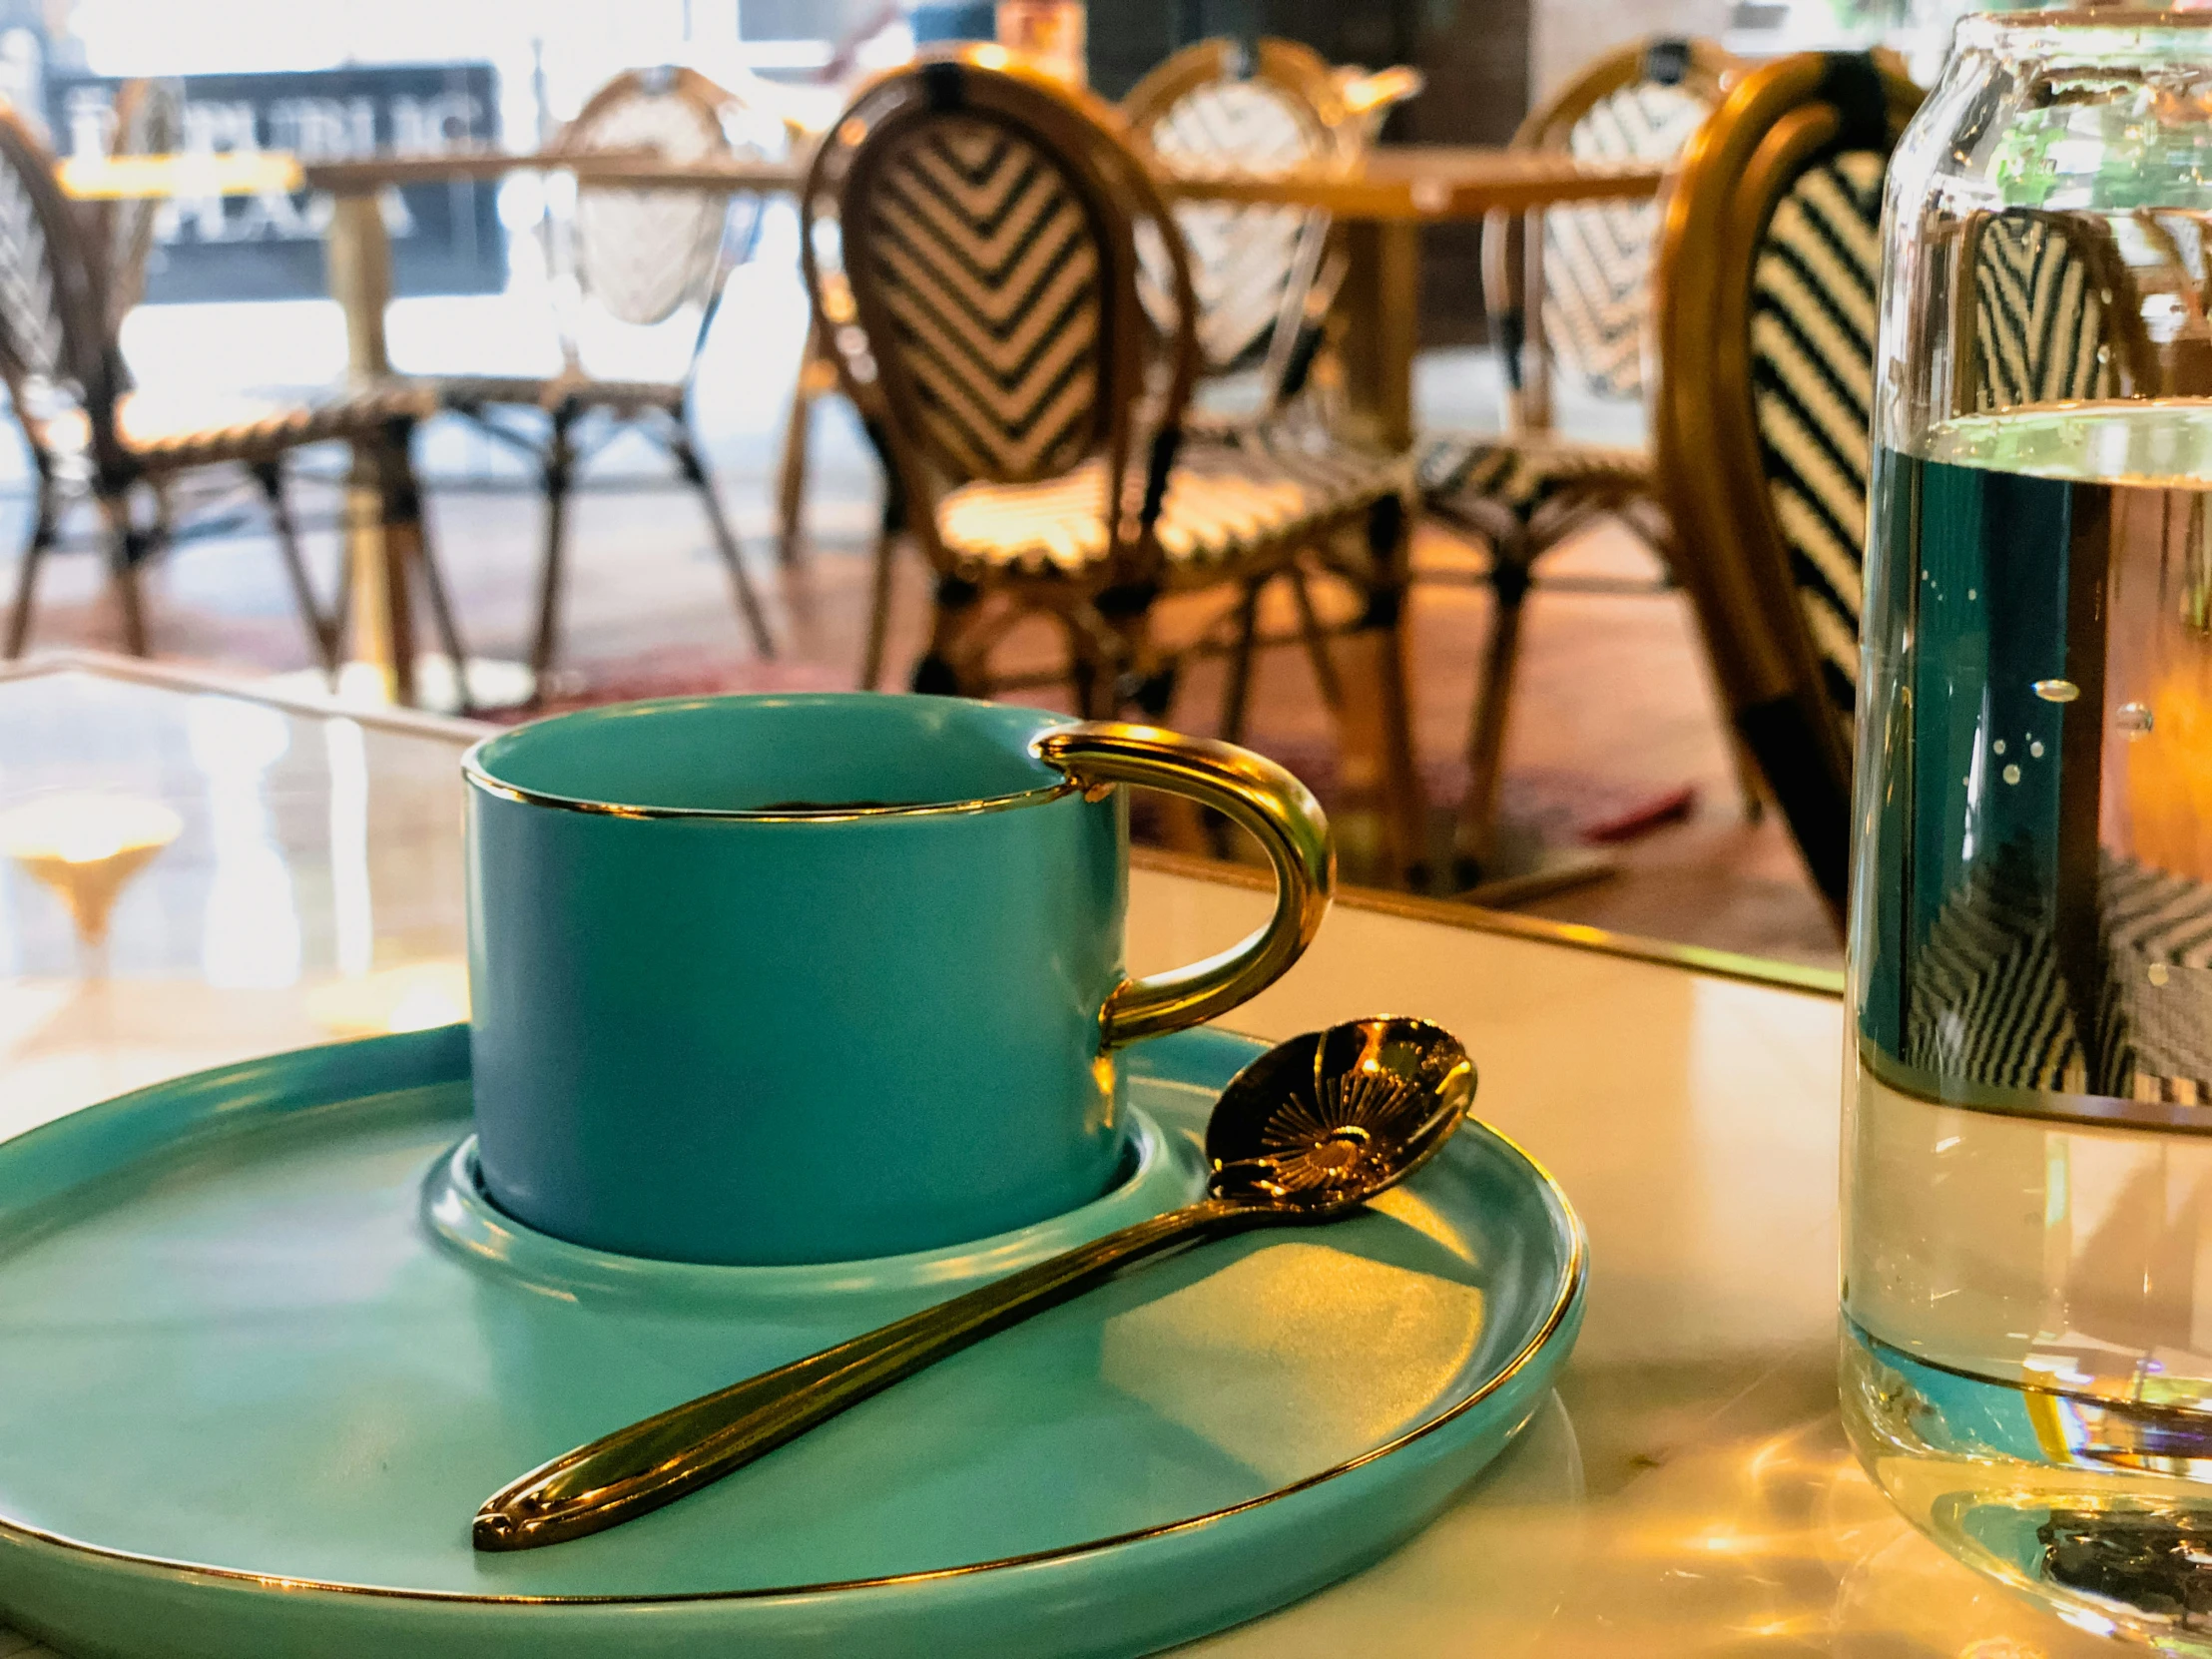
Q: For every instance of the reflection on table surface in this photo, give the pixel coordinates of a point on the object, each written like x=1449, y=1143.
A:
x=1687, y=1491
x=311, y=891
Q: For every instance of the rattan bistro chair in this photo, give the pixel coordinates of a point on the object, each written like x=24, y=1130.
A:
x=972, y=241
x=61, y=301
x=640, y=256
x=1265, y=276
x=1532, y=487
x=1767, y=267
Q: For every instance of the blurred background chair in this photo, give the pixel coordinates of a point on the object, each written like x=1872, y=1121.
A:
x=1571, y=285
x=68, y=274
x=1767, y=267
x=972, y=241
x=1221, y=107
x=1264, y=277
x=636, y=258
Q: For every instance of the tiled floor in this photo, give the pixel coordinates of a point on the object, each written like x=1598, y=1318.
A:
x=1614, y=698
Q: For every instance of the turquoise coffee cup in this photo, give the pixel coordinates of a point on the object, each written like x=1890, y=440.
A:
x=775, y=979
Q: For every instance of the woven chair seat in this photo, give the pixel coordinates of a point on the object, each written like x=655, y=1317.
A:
x=169, y=434
x=551, y=391
x=1470, y=477
x=1227, y=506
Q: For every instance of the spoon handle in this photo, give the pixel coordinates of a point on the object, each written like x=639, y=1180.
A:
x=637, y=1469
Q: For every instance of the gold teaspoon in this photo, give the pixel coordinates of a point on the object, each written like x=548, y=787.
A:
x=1307, y=1133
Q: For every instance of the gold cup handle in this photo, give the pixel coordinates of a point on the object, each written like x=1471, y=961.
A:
x=1256, y=794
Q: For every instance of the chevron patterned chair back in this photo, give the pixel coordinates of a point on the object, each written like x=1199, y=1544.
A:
x=1770, y=259
x=640, y=256
x=1991, y=1001
x=52, y=295
x=1641, y=103
x=644, y=254
x=2055, y=315
x=984, y=289
x=1275, y=107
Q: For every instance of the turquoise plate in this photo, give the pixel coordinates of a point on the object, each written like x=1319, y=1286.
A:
x=264, y=1351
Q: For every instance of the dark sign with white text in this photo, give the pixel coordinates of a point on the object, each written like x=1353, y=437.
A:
x=445, y=237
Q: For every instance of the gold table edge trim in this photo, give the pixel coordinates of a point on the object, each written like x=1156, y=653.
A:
x=1474, y=919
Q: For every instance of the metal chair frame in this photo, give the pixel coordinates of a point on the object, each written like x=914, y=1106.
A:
x=74, y=270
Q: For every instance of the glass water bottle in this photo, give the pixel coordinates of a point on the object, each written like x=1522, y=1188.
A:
x=2028, y=1263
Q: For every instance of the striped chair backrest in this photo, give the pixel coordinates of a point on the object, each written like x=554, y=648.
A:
x=1250, y=263
x=987, y=259
x=1814, y=285
x=2050, y=325
x=1764, y=325
x=970, y=239
x=56, y=351
x=642, y=254
x=1989, y=1001
x=1597, y=259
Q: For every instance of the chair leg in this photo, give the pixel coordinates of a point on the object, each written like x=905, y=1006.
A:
x=815, y=374
x=1235, y=697
x=886, y=558
x=34, y=555
x=1475, y=834
x=322, y=635
x=1317, y=642
x=442, y=617
x=127, y=549
x=1091, y=682
x=725, y=543
x=560, y=463
x=890, y=527
x=1380, y=716
x=400, y=498
x=943, y=668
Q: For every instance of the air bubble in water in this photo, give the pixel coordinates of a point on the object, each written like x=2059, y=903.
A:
x=2057, y=691
x=2134, y=719
x=2037, y=749
x=1998, y=745
x=2012, y=775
